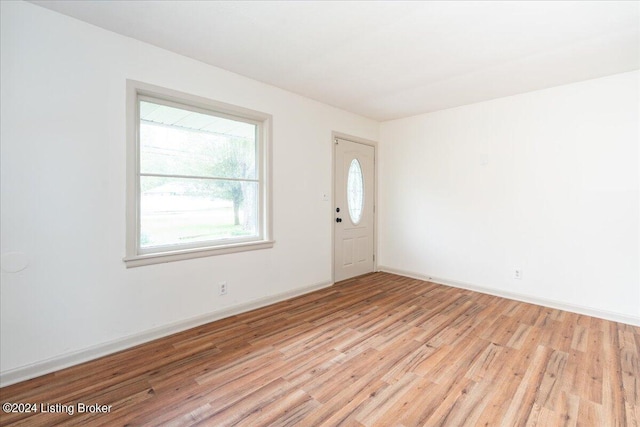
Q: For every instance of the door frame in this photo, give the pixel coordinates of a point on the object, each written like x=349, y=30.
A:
x=339, y=135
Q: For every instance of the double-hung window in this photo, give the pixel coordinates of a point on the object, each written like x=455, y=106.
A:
x=198, y=177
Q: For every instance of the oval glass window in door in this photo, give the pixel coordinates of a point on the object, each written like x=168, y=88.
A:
x=355, y=191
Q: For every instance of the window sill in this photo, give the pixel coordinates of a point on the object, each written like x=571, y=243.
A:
x=184, y=254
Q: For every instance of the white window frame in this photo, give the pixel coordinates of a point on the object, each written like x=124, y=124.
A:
x=135, y=255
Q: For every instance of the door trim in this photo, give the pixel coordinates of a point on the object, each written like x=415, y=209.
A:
x=339, y=135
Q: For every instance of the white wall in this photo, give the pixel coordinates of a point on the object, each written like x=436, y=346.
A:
x=545, y=181
x=63, y=191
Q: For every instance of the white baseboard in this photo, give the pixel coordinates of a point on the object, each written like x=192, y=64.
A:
x=589, y=311
x=74, y=358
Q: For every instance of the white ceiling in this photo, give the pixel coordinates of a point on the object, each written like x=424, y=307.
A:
x=387, y=59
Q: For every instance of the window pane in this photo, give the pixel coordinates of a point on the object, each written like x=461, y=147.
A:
x=178, y=211
x=355, y=191
x=174, y=141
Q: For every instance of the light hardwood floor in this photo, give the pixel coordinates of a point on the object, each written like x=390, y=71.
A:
x=378, y=350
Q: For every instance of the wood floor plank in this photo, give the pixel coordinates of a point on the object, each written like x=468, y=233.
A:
x=523, y=401
x=377, y=350
x=613, y=377
x=454, y=400
x=381, y=400
x=341, y=406
x=594, y=369
x=591, y=414
x=549, y=390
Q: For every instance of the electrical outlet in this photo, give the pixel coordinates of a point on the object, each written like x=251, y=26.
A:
x=517, y=273
x=222, y=288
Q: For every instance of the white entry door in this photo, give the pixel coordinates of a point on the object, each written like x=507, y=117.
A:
x=353, y=209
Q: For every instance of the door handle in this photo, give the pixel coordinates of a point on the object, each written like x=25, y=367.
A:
x=338, y=219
